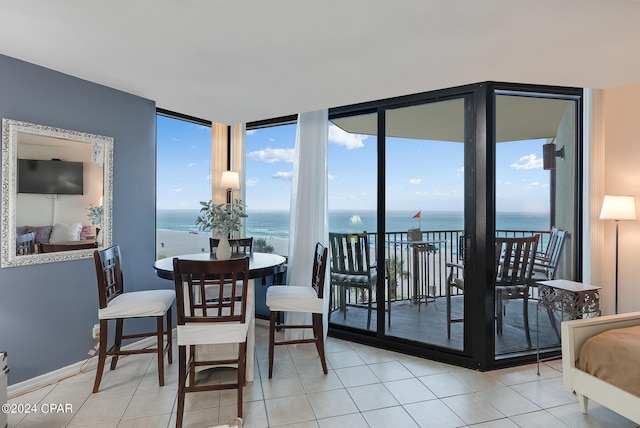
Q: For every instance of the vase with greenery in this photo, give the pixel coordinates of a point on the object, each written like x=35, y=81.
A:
x=222, y=220
x=95, y=214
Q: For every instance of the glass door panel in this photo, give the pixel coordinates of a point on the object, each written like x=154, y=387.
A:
x=535, y=183
x=353, y=178
x=424, y=222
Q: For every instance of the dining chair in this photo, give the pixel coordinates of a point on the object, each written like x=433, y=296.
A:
x=351, y=267
x=455, y=283
x=116, y=304
x=238, y=245
x=512, y=282
x=513, y=272
x=293, y=298
x=26, y=244
x=546, y=263
x=205, y=322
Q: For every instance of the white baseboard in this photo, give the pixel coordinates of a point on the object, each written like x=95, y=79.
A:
x=68, y=371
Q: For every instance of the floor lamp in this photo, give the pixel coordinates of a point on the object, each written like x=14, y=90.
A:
x=618, y=208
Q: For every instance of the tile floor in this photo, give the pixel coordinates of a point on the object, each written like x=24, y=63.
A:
x=365, y=387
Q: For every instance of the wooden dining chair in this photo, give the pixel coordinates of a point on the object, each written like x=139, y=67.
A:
x=26, y=244
x=238, y=245
x=303, y=298
x=116, y=304
x=217, y=321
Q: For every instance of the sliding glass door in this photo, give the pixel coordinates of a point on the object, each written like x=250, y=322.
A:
x=424, y=222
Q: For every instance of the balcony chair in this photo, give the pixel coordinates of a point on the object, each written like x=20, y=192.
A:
x=26, y=244
x=511, y=283
x=292, y=298
x=205, y=322
x=455, y=282
x=351, y=268
x=238, y=245
x=115, y=304
x=514, y=269
x=546, y=264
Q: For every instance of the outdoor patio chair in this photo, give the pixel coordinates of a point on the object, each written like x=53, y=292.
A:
x=546, y=264
x=514, y=269
x=351, y=267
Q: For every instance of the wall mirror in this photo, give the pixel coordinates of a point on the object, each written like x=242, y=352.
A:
x=56, y=193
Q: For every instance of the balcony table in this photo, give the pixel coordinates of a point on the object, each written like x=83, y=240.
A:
x=261, y=265
x=418, y=246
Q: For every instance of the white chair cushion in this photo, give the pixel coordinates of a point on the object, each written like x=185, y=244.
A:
x=214, y=333
x=150, y=303
x=292, y=298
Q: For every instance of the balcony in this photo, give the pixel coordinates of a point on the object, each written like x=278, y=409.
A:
x=417, y=295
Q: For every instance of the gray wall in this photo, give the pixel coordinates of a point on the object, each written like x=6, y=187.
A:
x=47, y=311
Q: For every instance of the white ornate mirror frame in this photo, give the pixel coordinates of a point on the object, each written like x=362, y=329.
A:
x=102, y=149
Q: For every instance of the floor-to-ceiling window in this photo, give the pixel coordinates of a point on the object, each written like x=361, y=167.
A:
x=269, y=166
x=183, y=179
x=536, y=140
x=464, y=166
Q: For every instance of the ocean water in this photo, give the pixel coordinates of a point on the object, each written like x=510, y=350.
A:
x=275, y=224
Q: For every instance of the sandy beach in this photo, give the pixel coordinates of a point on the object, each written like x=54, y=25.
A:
x=171, y=243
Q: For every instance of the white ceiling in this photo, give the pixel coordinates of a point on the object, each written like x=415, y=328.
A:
x=235, y=61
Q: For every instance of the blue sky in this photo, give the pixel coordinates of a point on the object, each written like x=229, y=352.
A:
x=421, y=175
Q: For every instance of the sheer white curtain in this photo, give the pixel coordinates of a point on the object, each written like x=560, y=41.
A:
x=309, y=208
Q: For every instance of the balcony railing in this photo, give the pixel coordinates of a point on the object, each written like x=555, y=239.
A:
x=420, y=268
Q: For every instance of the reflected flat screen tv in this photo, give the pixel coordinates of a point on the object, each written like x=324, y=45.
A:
x=50, y=177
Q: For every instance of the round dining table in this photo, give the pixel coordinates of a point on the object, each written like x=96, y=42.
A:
x=261, y=265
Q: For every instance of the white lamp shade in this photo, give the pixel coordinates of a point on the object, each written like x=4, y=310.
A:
x=618, y=208
x=230, y=180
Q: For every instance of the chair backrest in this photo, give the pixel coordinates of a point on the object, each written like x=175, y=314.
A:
x=229, y=277
x=553, y=252
x=238, y=245
x=26, y=244
x=514, y=260
x=350, y=253
x=319, y=269
x=109, y=274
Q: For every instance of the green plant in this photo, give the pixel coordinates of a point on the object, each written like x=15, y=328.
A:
x=95, y=214
x=260, y=245
x=222, y=218
x=396, y=268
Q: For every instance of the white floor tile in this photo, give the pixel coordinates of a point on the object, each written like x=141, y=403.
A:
x=365, y=387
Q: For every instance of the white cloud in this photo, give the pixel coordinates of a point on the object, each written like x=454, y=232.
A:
x=342, y=138
x=251, y=131
x=250, y=182
x=273, y=140
x=178, y=190
x=283, y=175
x=331, y=177
x=527, y=162
x=533, y=184
x=270, y=155
x=415, y=180
x=189, y=165
x=461, y=169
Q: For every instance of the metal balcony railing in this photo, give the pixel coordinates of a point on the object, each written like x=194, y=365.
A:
x=418, y=269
